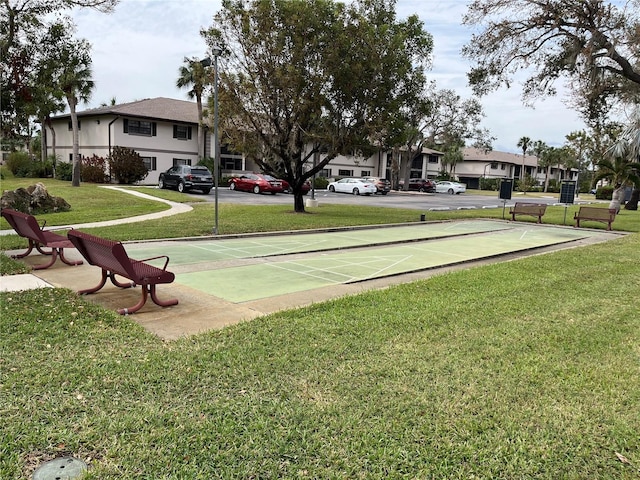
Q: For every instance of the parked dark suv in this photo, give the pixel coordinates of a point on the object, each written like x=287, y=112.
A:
x=421, y=185
x=383, y=186
x=185, y=178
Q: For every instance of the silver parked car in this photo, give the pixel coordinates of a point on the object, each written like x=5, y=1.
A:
x=356, y=186
x=450, y=187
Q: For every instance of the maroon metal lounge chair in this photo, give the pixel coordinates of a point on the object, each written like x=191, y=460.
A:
x=112, y=258
x=27, y=226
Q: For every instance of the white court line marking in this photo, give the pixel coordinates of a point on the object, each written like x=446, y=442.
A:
x=249, y=250
x=378, y=272
x=281, y=266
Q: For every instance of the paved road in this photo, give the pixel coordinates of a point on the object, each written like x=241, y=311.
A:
x=417, y=201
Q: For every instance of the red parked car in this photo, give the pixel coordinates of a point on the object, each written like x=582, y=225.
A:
x=421, y=185
x=286, y=188
x=256, y=183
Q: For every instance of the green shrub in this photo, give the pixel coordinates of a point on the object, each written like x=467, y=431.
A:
x=604, y=193
x=20, y=164
x=321, y=183
x=127, y=166
x=42, y=169
x=489, y=184
x=92, y=169
x=207, y=162
x=64, y=171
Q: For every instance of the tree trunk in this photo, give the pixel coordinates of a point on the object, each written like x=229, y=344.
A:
x=298, y=202
x=75, y=173
x=43, y=144
x=546, y=179
x=632, y=204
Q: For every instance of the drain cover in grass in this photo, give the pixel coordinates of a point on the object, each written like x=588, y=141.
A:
x=65, y=468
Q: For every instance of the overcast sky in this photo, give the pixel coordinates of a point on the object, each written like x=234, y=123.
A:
x=138, y=49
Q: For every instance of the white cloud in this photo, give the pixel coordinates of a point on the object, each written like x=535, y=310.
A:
x=138, y=50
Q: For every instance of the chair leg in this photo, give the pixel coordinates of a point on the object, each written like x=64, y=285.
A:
x=157, y=301
x=42, y=266
x=137, y=306
x=66, y=260
x=43, y=252
x=98, y=287
x=29, y=250
x=148, y=290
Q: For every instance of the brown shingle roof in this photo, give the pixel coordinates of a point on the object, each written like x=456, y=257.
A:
x=153, y=108
x=477, y=154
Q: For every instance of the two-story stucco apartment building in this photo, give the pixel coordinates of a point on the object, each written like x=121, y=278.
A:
x=164, y=132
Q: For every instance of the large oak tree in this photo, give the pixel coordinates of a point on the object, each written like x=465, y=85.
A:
x=300, y=78
x=593, y=44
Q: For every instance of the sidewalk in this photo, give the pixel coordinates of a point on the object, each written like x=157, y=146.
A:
x=175, y=209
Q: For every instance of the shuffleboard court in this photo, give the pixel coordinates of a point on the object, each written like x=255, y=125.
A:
x=202, y=251
x=280, y=275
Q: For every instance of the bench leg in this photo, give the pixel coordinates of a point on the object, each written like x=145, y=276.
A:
x=42, y=266
x=43, y=252
x=157, y=301
x=146, y=291
x=29, y=250
x=106, y=274
x=66, y=260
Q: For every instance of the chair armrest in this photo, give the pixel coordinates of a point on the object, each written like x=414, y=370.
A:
x=166, y=262
x=44, y=223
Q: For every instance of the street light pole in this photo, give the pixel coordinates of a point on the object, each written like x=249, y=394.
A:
x=216, y=50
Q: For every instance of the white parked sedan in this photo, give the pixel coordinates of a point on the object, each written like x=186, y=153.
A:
x=356, y=186
x=450, y=187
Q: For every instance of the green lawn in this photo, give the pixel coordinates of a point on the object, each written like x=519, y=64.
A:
x=523, y=369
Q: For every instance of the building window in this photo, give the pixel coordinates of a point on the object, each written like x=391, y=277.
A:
x=345, y=173
x=433, y=158
x=182, y=132
x=181, y=161
x=230, y=163
x=365, y=173
x=503, y=166
x=494, y=165
x=139, y=127
x=325, y=173
x=416, y=163
x=79, y=125
x=150, y=163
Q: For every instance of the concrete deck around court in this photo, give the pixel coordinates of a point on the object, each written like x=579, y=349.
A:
x=223, y=280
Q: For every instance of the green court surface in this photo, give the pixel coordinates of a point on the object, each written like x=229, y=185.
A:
x=200, y=251
x=280, y=267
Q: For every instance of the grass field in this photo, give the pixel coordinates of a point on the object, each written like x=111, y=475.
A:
x=524, y=369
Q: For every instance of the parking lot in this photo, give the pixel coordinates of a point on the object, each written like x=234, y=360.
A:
x=395, y=199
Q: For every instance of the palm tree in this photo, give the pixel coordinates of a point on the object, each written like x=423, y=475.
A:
x=623, y=165
x=194, y=76
x=76, y=84
x=524, y=144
